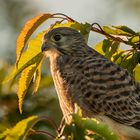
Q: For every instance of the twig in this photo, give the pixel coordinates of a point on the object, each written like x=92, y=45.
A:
x=60, y=14
x=49, y=120
x=100, y=30
x=43, y=132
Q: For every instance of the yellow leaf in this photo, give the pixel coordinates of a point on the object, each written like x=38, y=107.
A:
x=137, y=73
x=21, y=129
x=37, y=78
x=135, y=39
x=24, y=82
x=83, y=28
x=67, y=24
x=27, y=31
x=99, y=48
x=125, y=29
x=117, y=31
x=16, y=71
x=29, y=57
x=34, y=47
x=4, y=134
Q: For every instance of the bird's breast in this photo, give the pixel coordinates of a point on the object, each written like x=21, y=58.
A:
x=62, y=90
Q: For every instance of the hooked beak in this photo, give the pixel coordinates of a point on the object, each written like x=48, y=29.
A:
x=44, y=47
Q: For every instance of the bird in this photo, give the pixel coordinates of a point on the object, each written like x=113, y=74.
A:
x=101, y=88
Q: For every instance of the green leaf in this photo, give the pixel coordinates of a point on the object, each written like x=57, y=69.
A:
x=125, y=29
x=117, y=57
x=103, y=46
x=80, y=127
x=133, y=61
x=134, y=39
x=20, y=131
x=93, y=125
x=115, y=31
x=73, y=132
x=137, y=73
x=130, y=60
x=112, y=49
x=83, y=28
x=107, y=48
x=67, y=24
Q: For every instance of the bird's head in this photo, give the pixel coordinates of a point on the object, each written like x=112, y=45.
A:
x=63, y=40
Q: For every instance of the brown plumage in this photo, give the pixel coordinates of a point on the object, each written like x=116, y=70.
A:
x=101, y=88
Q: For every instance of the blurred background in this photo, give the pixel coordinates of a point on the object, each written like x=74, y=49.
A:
x=13, y=15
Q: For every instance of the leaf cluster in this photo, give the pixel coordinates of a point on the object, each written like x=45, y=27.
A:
x=80, y=128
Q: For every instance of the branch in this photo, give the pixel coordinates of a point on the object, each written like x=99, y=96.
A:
x=101, y=31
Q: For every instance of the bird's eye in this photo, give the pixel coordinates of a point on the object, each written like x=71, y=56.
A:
x=57, y=37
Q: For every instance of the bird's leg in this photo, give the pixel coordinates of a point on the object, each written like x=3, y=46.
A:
x=61, y=127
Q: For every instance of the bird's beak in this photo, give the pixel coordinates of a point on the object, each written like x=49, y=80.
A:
x=44, y=47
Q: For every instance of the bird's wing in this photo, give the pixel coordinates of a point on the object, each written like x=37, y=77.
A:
x=114, y=91
x=105, y=87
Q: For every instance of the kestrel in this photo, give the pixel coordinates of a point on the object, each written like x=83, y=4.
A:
x=101, y=88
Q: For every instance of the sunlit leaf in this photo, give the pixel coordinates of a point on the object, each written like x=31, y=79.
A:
x=79, y=127
x=29, y=57
x=20, y=131
x=126, y=60
x=103, y=46
x=27, y=31
x=112, y=31
x=28, y=73
x=125, y=29
x=67, y=24
x=129, y=61
x=117, y=57
x=94, y=125
x=112, y=49
x=4, y=134
x=37, y=78
x=134, y=39
x=83, y=28
x=16, y=71
x=137, y=73
x=24, y=81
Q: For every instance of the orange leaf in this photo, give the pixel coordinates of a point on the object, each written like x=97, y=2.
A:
x=27, y=31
